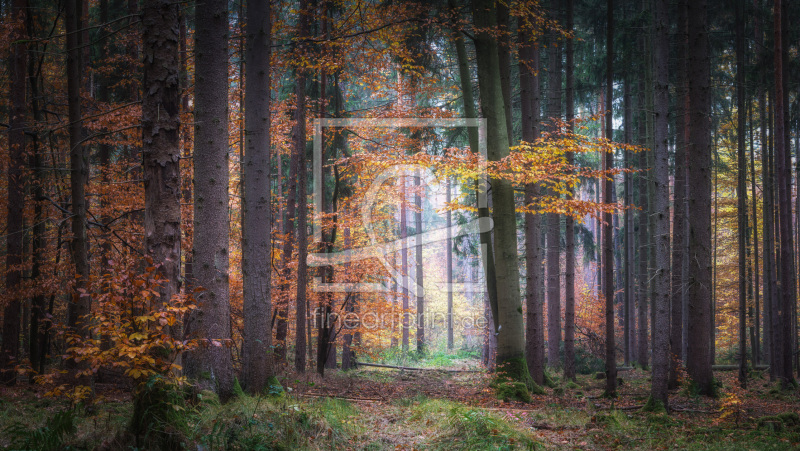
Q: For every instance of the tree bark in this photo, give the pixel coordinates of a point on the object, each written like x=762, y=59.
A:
x=678, y=288
x=9, y=353
x=300, y=138
x=419, y=290
x=534, y=315
x=569, y=222
x=81, y=303
x=741, y=192
x=510, y=339
x=211, y=364
x=161, y=152
x=553, y=219
x=257, y=211
x=608, y=186
x=787, y=287
x=699, y=180
x=661, y=237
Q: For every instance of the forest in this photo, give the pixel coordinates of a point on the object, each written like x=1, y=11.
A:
x=377, y=224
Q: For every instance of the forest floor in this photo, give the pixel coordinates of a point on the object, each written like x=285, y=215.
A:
x=380, y=408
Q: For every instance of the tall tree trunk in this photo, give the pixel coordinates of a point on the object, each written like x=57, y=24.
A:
x=553, y=219
x=756, y=333
x=608, y=185
x=256, y=203
x=699, y=180
x=628, y=307
x=9, y=353
x=642, y=348
x=678, y=288
x=301, y=301
x=449, y=270
x=38, y=329
x=81, y=304
x=211, y=365
x=661, y=301
x=419, y=290
x=530, y=105
x=405, y=293
x=741, y=192
x=161, y=152
x=569, y=223
x=787, y=287
x=510, y=339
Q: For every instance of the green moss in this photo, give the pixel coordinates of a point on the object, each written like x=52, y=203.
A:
x=274, y=387
x=237, y=388
x=516, y=370
x=654, y=405
x=513, y=391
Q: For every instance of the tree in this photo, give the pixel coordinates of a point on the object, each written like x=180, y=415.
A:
x=530, y=105
x=554, y=219
x=510, y=340
x=661, y=301
x=257, y=211
x=302, y=206
x=783, y=322
x=211, y=364
x=161, y=151
x=569, y=222
x=9, y=353
x=81, y=303
x=699, y=179
x=679, y=236
x=608, y=186
x=741, y=192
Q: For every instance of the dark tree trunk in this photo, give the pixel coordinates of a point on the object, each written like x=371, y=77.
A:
x=534, y=317
x=257, y=223
x=783, y=356
x=678, y=288
x=161, y=152
x=9, y=353
x=419, y=289
x=608, y=186
x=569, y=223
x=741, y=192
x=211, y=365
x=553, y=219
x=660, y=176
x=449, y=271
x=80, y=304
x=300, y=138
x=699, y=180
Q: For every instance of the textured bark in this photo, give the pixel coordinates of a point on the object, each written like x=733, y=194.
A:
x=300, y=138
x=80, y=305
x=404, y=262
x=569, y=223
x=699, y=180
x=419, y=290
x=38, y=331
x=534, y=315
x=628, y=279
x=678, y=288
x=661, y=299
x=642, y=348
x=553, y=219
x=449, y=271
x=510, y=339
x=257, y=215
x=211, y=365
x=608, y=185
x=741, y=192
x=787, y=287
x=9, y=353
x=161, y=144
